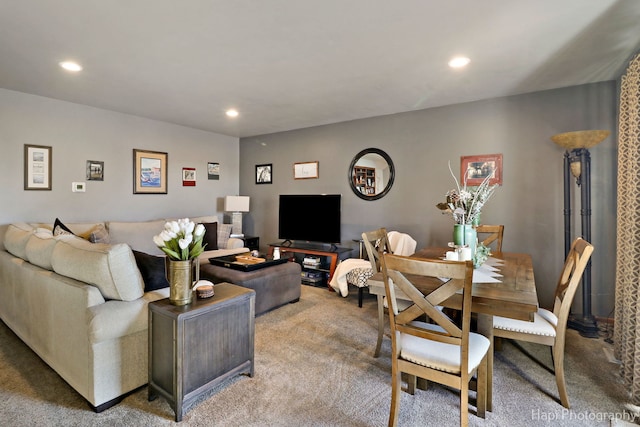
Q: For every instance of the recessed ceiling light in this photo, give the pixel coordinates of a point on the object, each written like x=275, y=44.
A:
x=459, y=62
x=71, y=66
x=232, y=113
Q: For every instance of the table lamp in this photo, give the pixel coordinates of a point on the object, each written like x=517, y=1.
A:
x=577, y=162
x=236, y=205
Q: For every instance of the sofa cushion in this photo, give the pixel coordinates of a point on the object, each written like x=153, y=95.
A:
x=152, y=270
x=111, y=268
x=16, y=238
x=138, y=235
x=40, y=248
x=210, y=235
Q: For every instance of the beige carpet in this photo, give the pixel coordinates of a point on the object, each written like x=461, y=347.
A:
x=314, y=367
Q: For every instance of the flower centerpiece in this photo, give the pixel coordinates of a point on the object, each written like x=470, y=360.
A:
x=181, y=240
x=465, y=205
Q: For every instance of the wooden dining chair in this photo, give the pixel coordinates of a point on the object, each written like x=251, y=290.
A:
x=441, y=352
x=549, y=327
x=489, y=234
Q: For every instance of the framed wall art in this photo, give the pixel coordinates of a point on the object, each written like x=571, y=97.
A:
x=213, y=170
x=474, y=169
x=95, y=170
x=264, y=174
x=305, y=170
x=37, y=167
x=188, y=177
x=149, y=172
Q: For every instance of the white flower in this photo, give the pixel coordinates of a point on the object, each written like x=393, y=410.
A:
x=173, y=227
x=199, y=230
x=184, y=243
x=158, y=240
x=167, y=235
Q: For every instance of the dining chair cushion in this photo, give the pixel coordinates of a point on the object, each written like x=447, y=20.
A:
x=441, y=356
x=544, y=323
x=359, y=276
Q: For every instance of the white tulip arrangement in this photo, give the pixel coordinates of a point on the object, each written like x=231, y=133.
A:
x=181, y=240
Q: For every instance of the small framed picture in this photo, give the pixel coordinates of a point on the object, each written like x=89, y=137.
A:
x=474, y=169
x=213, y=170
x=188, y=177
x=305, y=170
x=95, y=170
x=37, y=167
x=149, y=172
x=264, y=174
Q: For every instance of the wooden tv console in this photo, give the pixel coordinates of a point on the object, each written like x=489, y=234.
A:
x=333, y=254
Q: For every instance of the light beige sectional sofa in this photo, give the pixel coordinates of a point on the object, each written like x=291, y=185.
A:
x=81, y=306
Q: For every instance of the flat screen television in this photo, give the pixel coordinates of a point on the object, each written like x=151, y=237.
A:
x=310, y=217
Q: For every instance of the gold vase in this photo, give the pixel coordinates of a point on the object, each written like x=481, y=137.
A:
x=180, y=276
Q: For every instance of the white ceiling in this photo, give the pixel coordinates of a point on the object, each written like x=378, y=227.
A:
x=288, y=64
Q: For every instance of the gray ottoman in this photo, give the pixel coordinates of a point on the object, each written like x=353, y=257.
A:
x=275, y=286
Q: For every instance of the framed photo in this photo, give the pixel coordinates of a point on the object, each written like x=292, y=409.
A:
x=37, y=167
x=95, y=170
x=305, y=170
x=149, y=172
x=188, y=177
x=213, y=170
x=264, y=174
x=474, y=169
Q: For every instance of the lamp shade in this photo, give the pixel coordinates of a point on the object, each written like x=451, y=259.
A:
x=236, y=204
x=580, y=139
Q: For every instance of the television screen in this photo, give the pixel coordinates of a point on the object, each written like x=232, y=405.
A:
x=310, y=217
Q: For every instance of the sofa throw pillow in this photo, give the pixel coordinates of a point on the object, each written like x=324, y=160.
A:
x=59, y=228
x=210, y=235
x=152, y=269
x=99, y=234
x=224, y=232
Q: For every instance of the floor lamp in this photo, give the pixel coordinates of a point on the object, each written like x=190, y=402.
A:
x=577, y=162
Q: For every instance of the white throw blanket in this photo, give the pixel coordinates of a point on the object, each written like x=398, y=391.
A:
x=401, y=243
x=339, y=280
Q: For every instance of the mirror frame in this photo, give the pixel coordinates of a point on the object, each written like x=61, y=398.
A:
x=392, y=173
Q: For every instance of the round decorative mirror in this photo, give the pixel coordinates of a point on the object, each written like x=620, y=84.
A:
x=371, y=174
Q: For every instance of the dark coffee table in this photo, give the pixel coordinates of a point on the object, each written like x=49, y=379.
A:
x=231, y=261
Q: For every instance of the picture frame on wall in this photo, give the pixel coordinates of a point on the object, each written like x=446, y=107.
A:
x=149, y=172
x=188, y=177
x=305, y=170
x=95, y=170
x=264, y=174
x=213, y=170
x=474, y=169
x=37, y=167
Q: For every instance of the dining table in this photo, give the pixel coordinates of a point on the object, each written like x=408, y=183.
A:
x=504, y=287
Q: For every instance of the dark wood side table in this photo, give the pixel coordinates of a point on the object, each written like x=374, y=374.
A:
x=194, y=347
x=251, y=242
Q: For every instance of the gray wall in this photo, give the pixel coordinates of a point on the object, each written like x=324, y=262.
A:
x=529, y=204
x=78, y=133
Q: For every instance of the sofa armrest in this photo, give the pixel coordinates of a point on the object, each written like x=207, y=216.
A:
x=235, y=243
